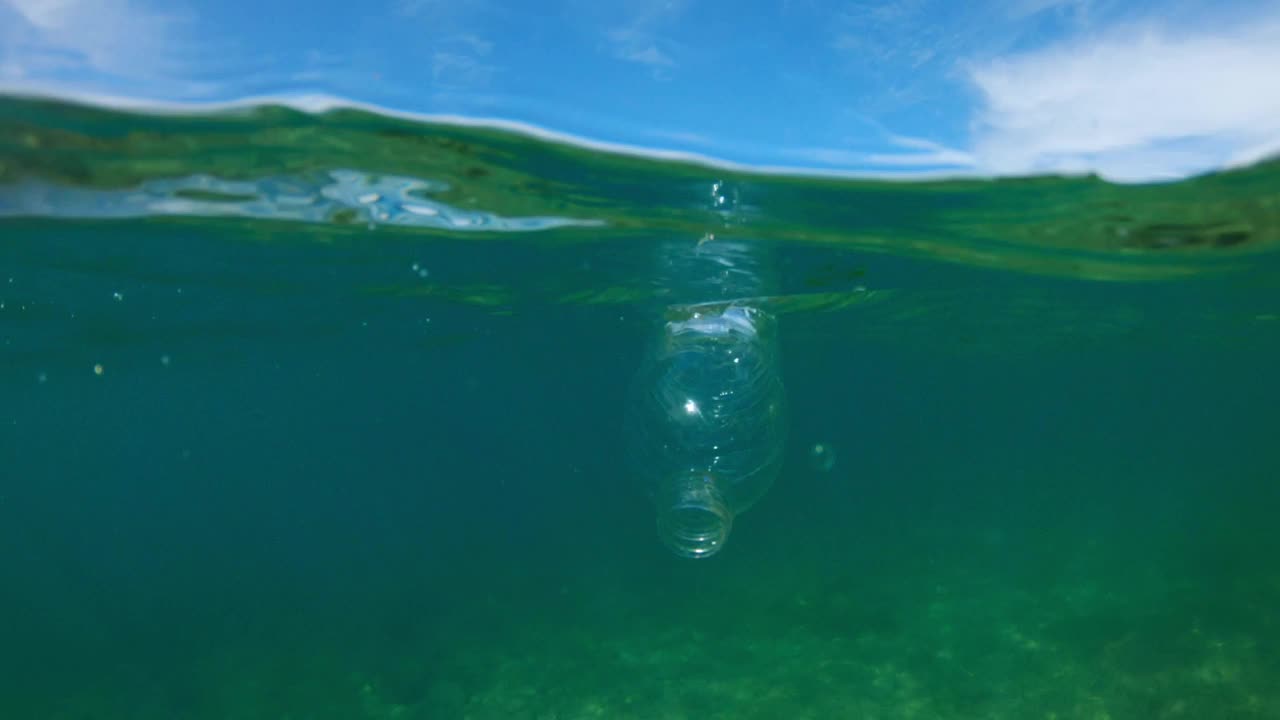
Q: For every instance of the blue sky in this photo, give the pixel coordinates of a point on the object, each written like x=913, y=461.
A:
x=1132, y=90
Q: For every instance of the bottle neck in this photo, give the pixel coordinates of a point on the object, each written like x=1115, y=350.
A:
x=693, y=518
x=691, y=272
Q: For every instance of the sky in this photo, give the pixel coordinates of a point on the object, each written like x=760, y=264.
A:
x=1132, y=90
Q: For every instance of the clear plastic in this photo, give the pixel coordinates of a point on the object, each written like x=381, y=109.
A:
x=706, y=427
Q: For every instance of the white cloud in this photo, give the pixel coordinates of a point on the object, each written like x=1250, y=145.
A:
x=923, y=153
x=1139, y=103
x=638, y=46
x=459, y=55
x=459, y=70
x=637, y=35
x=462, y=62
x=650, y=55
x=681, y=136
x=917, y=155
x=478, y=45
x=1021, y=9
x=113, y=37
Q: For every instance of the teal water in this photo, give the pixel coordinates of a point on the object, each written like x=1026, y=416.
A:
x=323, y=417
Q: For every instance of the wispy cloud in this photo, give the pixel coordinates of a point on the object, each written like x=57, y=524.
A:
x=635, y=34
x=460, y=70
x=440, y=10
x=122, y=39
x=462, y=61
x=1022, y=9
x=460, y=55
x=638, y=47
x=917, y=156
x=1141, y=102
x=875, y=34
x=900, y=55
x=919, y=152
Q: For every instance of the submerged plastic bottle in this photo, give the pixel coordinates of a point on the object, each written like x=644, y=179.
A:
x=706, y=422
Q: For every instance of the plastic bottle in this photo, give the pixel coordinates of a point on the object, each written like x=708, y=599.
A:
x=706, y=420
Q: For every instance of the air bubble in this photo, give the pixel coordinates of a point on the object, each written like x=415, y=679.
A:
x=822, y=457
x=724, y=198
x=117, y=296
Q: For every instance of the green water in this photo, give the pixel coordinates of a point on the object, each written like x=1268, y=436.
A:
x=272, y=448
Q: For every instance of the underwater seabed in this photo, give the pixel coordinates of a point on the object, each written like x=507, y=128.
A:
x=894, y=645
x=989, y=621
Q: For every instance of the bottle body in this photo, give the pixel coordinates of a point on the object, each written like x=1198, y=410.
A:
x=706, y=419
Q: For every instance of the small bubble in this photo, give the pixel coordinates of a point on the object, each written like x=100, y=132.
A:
x=723, y=196
x=42, y=378
x=98, y=369
x=423, y=273
x=822, y=457
x=164, y=360
x=117, y=296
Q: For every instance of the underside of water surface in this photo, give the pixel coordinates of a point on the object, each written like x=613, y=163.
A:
x=322, y=416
